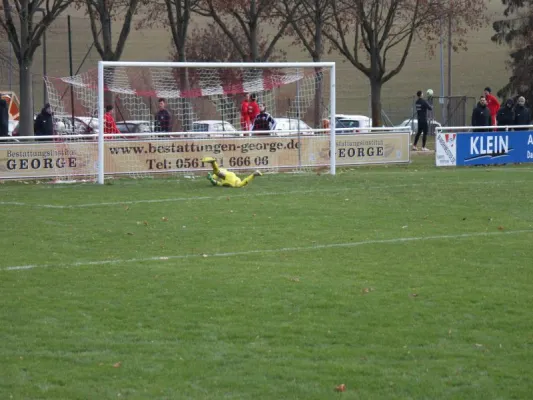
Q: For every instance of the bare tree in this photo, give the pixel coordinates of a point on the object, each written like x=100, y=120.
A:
x=174, y=15
x=380, y=27
x=248, y=15
x=209, y=44
x=102, y=14
x=308, y=23
x=307, y=26
x=24, y=34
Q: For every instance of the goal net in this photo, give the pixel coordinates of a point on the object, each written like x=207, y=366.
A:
x=204, y=102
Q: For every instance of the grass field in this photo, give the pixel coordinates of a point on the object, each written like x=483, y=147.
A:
x=399, y=282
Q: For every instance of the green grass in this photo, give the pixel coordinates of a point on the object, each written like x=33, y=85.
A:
x=305, y=284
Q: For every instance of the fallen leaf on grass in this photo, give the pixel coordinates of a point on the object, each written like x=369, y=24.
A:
x=340, y=388
x=117, y=365
x=501, y=228
x=145, y=223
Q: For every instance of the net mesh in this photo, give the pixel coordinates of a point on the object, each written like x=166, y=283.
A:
x=193, y=94
x=199, y=100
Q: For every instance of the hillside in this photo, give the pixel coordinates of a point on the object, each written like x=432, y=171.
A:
x=483, y=64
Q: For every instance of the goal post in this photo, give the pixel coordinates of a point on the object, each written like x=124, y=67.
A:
x=217, y=81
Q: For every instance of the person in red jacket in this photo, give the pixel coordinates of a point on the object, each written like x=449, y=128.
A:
x=245, y=115
x=493, y=105
x=109, y=122
x=253, y=108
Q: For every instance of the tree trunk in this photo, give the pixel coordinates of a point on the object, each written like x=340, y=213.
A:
x=109, y=76
x=319, y=78
x=26, y=99
x=254, y=46
x=319, y=85
x=375, y=100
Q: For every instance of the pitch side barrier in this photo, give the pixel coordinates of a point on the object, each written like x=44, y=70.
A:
x=489, y=145
x=76, y=157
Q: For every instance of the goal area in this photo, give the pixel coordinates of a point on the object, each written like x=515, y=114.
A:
x=207, y=115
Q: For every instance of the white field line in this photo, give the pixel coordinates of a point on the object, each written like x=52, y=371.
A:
x=363, y=172
x=249, y=195
x=266, y=251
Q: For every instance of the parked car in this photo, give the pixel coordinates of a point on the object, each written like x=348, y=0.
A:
x=69, y=125
x=213, y=128
x=413, y=123
x=89, y=122
x=352, y=123
x=289, y=124
x=135, y=126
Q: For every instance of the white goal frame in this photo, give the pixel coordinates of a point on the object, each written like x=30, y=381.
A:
x=163, y=64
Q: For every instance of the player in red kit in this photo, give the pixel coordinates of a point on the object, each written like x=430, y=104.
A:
x=245, y=115
x=109, y=122
x=253, y=108
x=493, y=105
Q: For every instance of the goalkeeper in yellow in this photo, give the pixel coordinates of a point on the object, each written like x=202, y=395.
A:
x=223, y=177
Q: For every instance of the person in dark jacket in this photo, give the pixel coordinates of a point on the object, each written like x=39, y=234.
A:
x=422, y=108
x=522, y=115
x=263, y=122
x=481, y=115
x=4, y=117
x=163, y=120
x=505, y=115
x=44, y=123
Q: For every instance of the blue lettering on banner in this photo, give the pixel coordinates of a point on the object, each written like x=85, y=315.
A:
x=484, y=148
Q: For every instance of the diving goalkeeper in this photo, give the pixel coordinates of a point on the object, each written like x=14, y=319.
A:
x=223, y=177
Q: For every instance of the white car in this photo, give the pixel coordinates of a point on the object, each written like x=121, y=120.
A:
x=352, y=123
x=413, y=123
x=91, y=122
x=213, y=128
x=288, y=124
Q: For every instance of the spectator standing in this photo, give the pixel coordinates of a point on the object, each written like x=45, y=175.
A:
x=263, y=121
x=493, y=104
x=505, y=116
x=522, y=114
x=109, y=121
x=245, y=114
x=481, y=115
x=422, y=107
x=163, y=121
x=253, y=108
x=4, y=117
x=44, y=123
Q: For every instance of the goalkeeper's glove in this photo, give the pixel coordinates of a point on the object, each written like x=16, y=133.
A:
x=211, y=179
